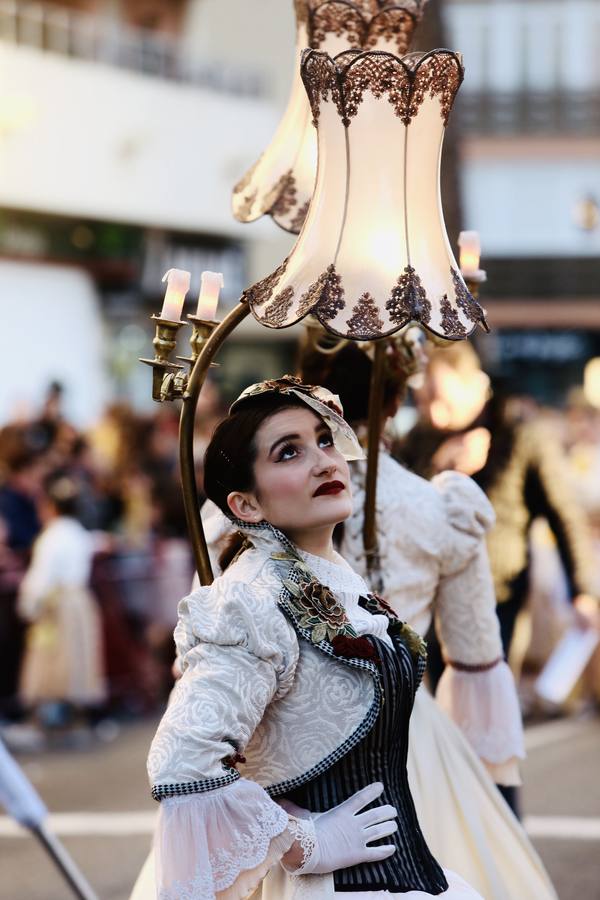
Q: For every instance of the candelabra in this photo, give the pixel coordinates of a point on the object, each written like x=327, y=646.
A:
x=169, y=379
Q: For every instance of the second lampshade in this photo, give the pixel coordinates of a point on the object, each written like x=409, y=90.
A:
x=281, y=182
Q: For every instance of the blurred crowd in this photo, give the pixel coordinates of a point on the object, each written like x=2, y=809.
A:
x=540, y=468
x=102, y=510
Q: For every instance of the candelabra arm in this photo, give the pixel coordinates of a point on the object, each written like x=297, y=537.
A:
x=186, y=437
x=373, y=438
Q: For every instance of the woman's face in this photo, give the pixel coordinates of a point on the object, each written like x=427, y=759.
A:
x=301, y=481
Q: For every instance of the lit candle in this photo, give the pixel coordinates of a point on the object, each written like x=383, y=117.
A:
x=178, y=284
x=470, y=253
x=211, y=284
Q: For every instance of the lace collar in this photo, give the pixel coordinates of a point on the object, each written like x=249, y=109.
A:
x=338, y=575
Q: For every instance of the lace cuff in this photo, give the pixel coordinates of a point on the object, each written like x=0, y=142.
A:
x=218, y=844
x=303, y=831
x=485, y=707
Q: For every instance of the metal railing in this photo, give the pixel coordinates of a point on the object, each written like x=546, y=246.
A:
x=96, y=38
x=529, y=113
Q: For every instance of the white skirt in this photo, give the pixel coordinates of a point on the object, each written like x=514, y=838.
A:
x=466, y=822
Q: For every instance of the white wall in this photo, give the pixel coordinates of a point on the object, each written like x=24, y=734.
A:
x=255, y=33
x=84, y=139
x=51, y=329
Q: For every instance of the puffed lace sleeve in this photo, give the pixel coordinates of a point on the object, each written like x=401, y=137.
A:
x=218, y=834
x=477, y=689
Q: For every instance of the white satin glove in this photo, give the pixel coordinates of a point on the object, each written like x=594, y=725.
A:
x=340, y=837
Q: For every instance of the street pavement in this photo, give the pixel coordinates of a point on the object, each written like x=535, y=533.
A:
x=100, y=807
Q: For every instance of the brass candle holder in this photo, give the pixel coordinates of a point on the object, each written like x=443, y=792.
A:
x=164, y=371
x=169, y=379
x=201, y=331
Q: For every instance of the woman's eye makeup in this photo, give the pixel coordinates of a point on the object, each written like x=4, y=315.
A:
x=288, y=451
x=291, y=450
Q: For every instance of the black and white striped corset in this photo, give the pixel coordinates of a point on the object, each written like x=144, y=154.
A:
x=381, y=756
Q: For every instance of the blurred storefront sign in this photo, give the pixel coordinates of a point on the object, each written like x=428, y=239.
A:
x=566, y=312
x=121, y=257
x=544, y=362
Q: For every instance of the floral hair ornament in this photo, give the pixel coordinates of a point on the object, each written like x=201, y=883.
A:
x=325, y=404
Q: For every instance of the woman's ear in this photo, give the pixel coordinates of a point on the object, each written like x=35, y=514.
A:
x=244, y=506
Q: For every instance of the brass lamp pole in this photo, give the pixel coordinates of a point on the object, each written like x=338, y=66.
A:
x=170, y=382
x=208, y=351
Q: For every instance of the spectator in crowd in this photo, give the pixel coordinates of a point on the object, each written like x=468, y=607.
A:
x=63, y=669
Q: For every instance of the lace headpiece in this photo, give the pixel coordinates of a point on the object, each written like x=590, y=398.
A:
x=327, y=405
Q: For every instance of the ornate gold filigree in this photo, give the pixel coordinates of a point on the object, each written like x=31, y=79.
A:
x=403, y=81
x=325, y=299
x=332, y=298
x=319, y=75
x=298, y=220
x=282, y=198
x=440, y=75
x=397, y=25
x=260, y=293
x=467, y=302
x=311, y=296
x=408, y=300
x=365, y=322
x=276, y=312
x=338, y=17
x=450, y=321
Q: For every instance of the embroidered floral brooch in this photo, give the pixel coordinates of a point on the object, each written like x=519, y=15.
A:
x=317, y=610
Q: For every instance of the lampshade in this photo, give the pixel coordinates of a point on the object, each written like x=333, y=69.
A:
x=373, y=253
x=281, y=182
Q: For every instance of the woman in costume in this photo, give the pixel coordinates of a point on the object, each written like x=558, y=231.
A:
x=433, y=564
x=297, y=686
x=63, y=668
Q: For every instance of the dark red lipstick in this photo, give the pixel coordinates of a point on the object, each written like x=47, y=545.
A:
x=329, y=487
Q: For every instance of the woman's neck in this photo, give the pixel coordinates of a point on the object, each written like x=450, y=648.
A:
x=318, y=542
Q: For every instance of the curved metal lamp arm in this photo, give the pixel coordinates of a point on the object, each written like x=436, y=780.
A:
x=186, y=437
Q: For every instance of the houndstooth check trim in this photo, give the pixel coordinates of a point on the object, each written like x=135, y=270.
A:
x=181, y=789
